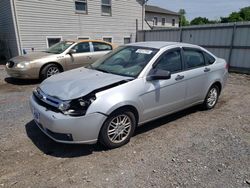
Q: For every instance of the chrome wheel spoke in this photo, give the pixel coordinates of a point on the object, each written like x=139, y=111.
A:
x=119, y=128
x=212, y=97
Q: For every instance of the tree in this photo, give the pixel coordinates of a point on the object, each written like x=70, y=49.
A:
x=242, y=15
x=245, y=13
x=183, y=20
x=235, y=17
x=199, y=21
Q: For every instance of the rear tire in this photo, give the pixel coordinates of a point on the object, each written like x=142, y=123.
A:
x=211, y=98
x=117, y=129
x=49, y=70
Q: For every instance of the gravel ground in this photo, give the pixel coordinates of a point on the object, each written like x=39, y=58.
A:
x=191, y=148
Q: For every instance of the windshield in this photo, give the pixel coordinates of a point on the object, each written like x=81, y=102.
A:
x=125, y=61
x=59, y=47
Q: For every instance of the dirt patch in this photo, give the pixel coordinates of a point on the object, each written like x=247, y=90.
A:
x=191, y=148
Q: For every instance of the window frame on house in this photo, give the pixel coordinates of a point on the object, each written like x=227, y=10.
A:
x=109, y=37
x=106, y=5
x=173, y=21
x=83, y=38
x=126, y=37
x=163, y=23
x=81, y=11
x=52, y=37
x=155, y=21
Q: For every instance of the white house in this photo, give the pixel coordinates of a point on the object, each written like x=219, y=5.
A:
x=34, y=25
x=159, y=18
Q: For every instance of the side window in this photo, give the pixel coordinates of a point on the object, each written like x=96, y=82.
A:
x=170, y=61
x=107, y=39
x=209, y=59
x=81, y=6
x=98, y=46
x=82, y=47
x=193, y=58
x=106, y=7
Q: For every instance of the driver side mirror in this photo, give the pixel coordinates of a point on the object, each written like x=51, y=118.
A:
x=158, y=74
x=71, y=51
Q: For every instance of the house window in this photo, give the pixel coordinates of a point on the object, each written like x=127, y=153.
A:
x=107, y=39
x=163, y=21
x=155, y=20
x=81, y=6
x=53, y=40
x=106, y=8
x=83, y=38
x=173, y=22
x=127, y=40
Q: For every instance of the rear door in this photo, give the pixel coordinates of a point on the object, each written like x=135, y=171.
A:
x=81, y=56
x=196, y=74
x=100, y=49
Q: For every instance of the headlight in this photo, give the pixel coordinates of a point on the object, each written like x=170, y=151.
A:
x=64, y=106
x=77, y=107
x=22, y=65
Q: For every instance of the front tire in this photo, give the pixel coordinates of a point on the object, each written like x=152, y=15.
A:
x=211, y=98
x=117, y=129
x=49, y=70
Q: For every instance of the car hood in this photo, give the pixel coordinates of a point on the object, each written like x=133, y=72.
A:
x=78, y=83
x=31, y=57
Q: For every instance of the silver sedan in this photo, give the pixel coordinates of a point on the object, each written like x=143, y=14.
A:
x=128, y=87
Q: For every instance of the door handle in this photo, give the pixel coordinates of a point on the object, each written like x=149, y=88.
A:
x=207, y=69
x=89, y=57
x=179, y=77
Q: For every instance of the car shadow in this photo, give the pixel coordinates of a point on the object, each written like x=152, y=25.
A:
x=15, y=81
x=52, y=148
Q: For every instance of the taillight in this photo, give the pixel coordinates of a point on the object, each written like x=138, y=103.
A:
x=227, y=66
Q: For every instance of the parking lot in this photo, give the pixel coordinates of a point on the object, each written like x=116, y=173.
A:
x=192, y=148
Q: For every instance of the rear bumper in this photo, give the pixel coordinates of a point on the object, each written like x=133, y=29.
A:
x=66, y=129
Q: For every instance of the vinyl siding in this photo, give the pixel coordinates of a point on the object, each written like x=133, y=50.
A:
x=40, y=19
x=8, y=41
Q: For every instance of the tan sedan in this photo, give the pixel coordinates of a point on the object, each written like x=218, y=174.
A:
x=62, y=56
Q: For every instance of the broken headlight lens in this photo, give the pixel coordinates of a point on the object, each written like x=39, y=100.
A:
x=77, y=107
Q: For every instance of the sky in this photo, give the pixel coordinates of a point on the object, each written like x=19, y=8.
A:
x=212, y=9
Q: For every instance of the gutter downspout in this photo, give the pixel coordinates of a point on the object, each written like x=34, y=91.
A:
x=15, y=20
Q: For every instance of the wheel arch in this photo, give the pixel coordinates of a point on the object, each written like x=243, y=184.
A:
x=218, y=84
x=52, y=62
x=129, y=107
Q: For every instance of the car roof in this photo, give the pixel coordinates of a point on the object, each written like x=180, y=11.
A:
x=161, y=44
x=89, y=40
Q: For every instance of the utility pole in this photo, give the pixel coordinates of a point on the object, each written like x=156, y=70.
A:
x=143, y=12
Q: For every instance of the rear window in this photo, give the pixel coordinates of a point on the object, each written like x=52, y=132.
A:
x=98, y=46
x=193, y=58
x=209, y=59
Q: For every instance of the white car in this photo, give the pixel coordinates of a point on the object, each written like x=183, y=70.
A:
x=128, y=87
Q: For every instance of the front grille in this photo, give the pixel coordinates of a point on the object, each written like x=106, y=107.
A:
x=50, y=103
x=10, y=64
x=47, y=106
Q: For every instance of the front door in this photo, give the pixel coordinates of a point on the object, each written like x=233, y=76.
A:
x=164, y=96
x=80, y=57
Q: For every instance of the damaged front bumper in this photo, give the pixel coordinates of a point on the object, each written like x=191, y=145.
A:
x=67, y=129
